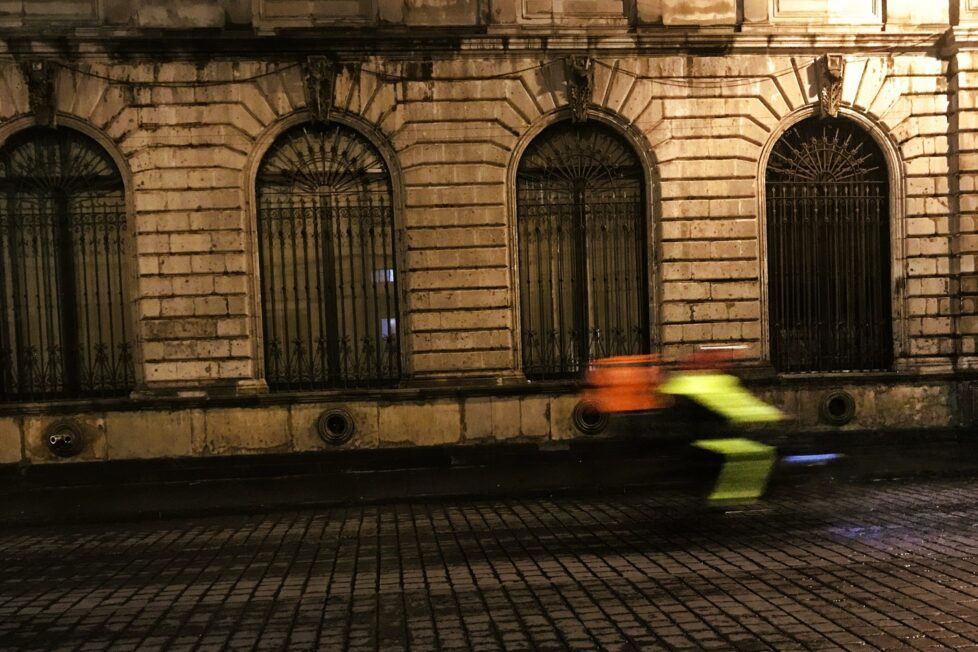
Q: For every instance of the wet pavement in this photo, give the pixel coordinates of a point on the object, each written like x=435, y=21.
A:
x=885, y=565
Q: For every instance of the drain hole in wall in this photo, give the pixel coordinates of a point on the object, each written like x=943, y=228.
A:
x=335, y=427
x=588, y=418
x=837, y=408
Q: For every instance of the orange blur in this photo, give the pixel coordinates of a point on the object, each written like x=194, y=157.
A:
x=626, y=383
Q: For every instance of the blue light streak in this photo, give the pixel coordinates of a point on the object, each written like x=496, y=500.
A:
x=810, y=459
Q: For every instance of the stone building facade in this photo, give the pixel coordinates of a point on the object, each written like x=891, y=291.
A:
x=423, y=218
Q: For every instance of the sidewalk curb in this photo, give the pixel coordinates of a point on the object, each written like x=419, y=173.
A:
x=133, y=490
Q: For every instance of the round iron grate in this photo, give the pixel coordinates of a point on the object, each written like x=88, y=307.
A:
x=837, y=408
x=335, y=426
x=588, y=418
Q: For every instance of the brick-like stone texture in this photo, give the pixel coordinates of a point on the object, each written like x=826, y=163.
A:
x=313, y=11
x=52, y=10
x=191, y=133
x=963, y=282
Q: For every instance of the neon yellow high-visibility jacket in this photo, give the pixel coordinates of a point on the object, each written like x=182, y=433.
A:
x=722, y=393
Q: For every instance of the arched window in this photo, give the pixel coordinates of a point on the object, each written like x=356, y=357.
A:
x=325, y=237
x=65, y=332
x=828, y=234
x=582, y=250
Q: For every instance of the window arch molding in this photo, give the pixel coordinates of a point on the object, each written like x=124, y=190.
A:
x=263, y=144
x=130, y=273
x=896, y=176
x=640, y=146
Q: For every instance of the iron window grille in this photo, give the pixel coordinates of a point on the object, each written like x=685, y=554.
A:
x=828, y=232
x=325, y=236
x=582, y=250
x=64, y=331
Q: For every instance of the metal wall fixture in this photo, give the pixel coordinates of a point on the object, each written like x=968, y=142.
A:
x=588, y=418
x=64, y=438
x=336, y=426
x=837, y=408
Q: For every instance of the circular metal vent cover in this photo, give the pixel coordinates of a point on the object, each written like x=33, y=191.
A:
x=837, y=408
x=588, y=418
x=335, y=426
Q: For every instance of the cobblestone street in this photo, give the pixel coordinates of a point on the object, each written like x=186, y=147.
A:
x=887, y=565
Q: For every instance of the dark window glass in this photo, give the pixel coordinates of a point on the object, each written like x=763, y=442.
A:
x=582, y=250
x=64, y=332
x=828, y=233
x=325, y=236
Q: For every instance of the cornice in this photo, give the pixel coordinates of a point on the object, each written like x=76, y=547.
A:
x=665, y=41
x=960, y=37
x=403, y=42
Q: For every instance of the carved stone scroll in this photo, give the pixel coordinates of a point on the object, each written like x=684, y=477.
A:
x=320, y=78
x=831, y=69
x=41, y=94
x=580, y=86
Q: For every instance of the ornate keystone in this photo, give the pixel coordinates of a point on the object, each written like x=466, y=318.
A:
x=580, y=85
x=320, y=77
x=41, y=95
x=831, y=69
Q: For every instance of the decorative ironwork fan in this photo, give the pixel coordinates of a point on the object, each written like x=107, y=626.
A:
x=323, y=159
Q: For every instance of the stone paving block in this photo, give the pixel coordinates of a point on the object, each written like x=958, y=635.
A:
x=888, y=566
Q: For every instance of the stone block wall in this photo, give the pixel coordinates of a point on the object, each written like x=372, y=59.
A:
x=189, y=136
x=192, y=144
x=17, y=12
x=213, y=431
x=187, y=147
x=963, y=88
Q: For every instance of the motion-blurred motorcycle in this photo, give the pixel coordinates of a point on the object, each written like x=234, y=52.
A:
x=695, y=398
